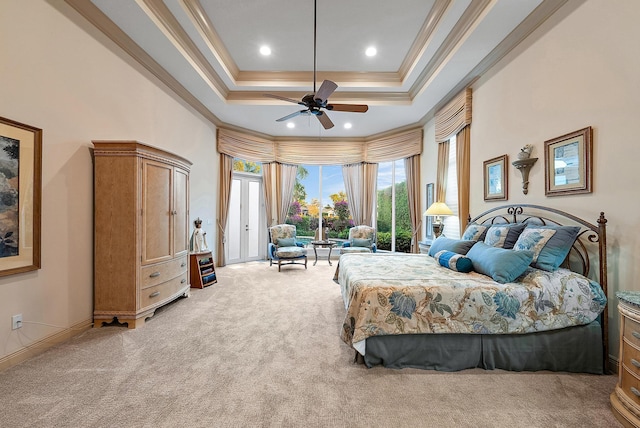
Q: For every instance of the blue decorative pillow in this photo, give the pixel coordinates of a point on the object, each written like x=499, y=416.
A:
x=500, y=264
x=533, y=239
x=475, y=232
x=286, y=242
x=454, y=261
x=504, y=235
x=358, y=242
x=455, y=245
x=556, y=248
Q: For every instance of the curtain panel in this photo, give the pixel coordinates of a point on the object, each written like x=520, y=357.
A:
x=319, y=151
x=269, y=193
x=412, y=169
x=285, y=181
x=226, y=171
x=360, y=181
x=463, y=166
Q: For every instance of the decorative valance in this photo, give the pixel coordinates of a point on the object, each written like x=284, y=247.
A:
x=318, y=151
x=397, y=146
x=454, y=116
x=245, y=146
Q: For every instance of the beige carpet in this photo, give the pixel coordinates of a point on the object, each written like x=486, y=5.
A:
x=262, y=349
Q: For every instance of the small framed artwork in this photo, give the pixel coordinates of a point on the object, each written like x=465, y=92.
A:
x=496, y=183
x=568, y=162
x=429, y=232
x=20, y=197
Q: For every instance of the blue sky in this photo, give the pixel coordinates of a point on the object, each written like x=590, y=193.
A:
x=332, y=181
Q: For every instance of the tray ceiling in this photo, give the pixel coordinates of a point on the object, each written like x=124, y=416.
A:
x=207, y=52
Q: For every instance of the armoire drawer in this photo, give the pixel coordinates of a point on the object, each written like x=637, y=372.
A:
x=157, y=293
x=157, y=274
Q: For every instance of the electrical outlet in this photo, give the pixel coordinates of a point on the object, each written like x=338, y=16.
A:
x=16, y=321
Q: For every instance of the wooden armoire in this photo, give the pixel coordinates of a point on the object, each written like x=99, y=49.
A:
x=141, y=220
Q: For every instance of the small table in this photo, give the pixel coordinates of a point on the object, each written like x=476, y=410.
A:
x=323, y=244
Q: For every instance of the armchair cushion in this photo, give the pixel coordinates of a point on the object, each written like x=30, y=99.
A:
x=286, y=242
x=290, y=252
x=358, y=242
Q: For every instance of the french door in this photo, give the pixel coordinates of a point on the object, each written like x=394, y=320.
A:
x=246, y=224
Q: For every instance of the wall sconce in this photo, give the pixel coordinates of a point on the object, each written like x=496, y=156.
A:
x=438, y=210
x=524, y=165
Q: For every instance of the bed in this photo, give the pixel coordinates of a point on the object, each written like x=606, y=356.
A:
x=527, y=303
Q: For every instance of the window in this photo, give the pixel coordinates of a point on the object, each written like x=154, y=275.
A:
x=452, y=223
x=392, y=212
x=319, y=191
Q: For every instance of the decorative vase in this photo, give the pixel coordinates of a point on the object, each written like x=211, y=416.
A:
x=524, y=155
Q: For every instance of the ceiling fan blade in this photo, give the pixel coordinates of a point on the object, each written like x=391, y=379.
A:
x=325, y=91
x=324, y=120
x=290, y=116
x=354, y=108
x=278, y=97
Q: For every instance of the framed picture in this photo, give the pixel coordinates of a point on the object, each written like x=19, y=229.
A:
x=568, y=162
x=496, y=182
x=429, y=231
x=20, y=197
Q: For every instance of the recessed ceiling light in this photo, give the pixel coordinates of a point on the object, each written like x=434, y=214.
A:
x=347, y=125
x=291, y=125
x=265, y=50
x=371, y=51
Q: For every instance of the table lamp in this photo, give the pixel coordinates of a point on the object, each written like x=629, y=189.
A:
x=438, y=210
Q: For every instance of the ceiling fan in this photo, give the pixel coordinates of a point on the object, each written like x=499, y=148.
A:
x=318, y=102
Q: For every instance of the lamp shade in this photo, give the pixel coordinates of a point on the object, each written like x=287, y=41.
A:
x=438, y=209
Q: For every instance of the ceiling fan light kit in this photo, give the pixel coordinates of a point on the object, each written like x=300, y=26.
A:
x=317, y=103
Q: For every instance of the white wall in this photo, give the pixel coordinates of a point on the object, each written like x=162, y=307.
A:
x=77, y=86
x=581, y=68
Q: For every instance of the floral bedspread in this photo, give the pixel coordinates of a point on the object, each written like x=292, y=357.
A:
x=393, y=293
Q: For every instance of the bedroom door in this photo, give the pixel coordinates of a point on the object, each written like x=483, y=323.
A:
x=245, y=224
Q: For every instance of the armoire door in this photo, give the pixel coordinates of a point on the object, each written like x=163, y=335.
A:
x=157, y=193
x=246, y=224
x=180, y=212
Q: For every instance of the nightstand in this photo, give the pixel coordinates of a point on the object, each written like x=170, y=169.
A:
x=625, y=399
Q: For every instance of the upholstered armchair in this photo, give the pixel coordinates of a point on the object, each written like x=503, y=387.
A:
x=283, y=247
x=362, y=239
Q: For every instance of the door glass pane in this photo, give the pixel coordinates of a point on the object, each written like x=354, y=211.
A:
x=253, y=214
x=233, y=244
